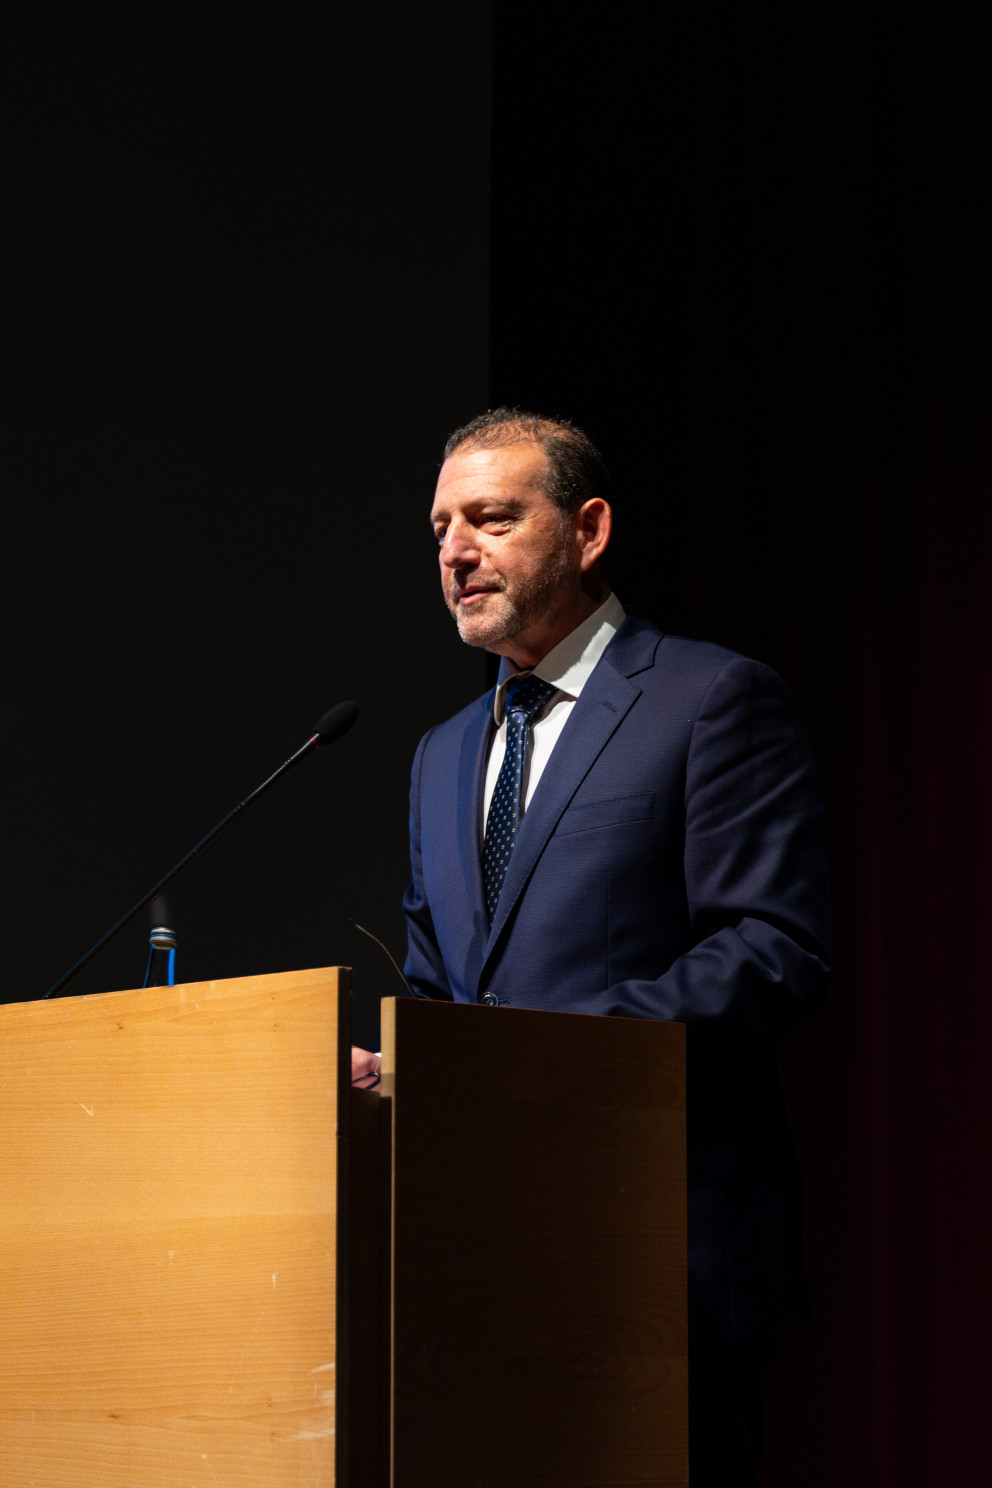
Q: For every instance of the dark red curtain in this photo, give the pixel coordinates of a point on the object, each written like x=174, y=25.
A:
x=751, y=250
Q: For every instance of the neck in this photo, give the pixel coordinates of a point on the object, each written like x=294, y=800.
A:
x=530, y=650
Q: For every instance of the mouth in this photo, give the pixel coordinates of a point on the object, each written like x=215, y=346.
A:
x=472, y=594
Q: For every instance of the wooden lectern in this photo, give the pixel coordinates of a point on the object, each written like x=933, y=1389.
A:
x=223, y=1268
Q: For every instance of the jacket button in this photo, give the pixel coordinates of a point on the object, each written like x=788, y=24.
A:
x=489, y=999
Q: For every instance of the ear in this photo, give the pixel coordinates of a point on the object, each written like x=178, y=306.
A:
x=593, y=525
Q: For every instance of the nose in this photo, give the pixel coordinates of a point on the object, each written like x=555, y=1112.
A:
x=459, y=548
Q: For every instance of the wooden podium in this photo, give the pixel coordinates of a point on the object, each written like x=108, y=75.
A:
x=223, y=1268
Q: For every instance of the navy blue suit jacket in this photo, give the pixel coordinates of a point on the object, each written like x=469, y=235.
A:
x=670, y=865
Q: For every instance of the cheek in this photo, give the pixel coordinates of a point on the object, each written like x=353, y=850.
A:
x=532, y=563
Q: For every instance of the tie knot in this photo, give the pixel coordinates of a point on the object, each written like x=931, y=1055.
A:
x=527, y=695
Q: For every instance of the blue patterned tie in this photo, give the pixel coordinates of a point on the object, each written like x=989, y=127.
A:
x=525, y=696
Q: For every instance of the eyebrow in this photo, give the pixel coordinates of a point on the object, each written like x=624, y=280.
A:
x=511, y=506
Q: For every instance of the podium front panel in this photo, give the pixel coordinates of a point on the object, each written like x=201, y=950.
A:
x=538, y=1249
x=168, y=1226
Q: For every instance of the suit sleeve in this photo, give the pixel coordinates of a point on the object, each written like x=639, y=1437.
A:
x=424, y=968
x=755, y=870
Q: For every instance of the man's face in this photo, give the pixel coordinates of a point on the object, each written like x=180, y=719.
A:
x=509, y=559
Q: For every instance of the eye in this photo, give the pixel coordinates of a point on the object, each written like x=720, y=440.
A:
x=439, y=534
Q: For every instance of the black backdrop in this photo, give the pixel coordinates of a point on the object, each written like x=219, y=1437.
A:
x=749, y=246
x=245, y=294
x=246, y=279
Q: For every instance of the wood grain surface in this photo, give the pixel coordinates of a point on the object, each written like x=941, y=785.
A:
x=539, y=1262
x=168, y=1226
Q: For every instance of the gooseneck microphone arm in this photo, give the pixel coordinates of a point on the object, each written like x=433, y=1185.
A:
x=335, y=722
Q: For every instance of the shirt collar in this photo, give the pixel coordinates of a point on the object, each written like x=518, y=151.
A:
x=569, y=665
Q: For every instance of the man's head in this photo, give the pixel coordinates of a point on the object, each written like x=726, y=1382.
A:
x=574, y=469
x=522, y=522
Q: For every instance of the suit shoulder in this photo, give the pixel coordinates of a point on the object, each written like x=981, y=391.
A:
x=707, y=661
x=639, y=646
x=700, y=655
x=686, y=670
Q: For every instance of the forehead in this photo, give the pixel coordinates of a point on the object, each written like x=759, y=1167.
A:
x=516, y=470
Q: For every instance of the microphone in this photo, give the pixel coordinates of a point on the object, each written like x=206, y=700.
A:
x=392, y=961
x=331, y=726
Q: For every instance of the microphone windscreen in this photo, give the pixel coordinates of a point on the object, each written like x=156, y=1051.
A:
x=336, y=721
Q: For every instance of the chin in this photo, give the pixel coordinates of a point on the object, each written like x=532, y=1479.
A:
x=485, y=631
x=485, y=636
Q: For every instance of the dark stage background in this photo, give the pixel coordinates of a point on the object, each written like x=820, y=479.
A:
x=750, y=248
x=245, y=291
x=249, y=281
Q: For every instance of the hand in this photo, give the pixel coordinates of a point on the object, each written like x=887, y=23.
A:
x=365, y=1069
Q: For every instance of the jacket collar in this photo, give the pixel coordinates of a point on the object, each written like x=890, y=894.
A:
x=471, y=786
x=601, y=707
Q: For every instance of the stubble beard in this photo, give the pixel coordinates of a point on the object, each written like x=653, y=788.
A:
x=508, y=614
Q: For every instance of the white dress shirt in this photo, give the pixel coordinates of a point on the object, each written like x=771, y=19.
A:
x=566, y=667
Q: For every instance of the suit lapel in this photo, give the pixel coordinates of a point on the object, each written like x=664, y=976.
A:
x=471, y=789
x=597, y=714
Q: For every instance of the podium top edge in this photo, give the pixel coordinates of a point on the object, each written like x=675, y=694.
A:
x=334, y=979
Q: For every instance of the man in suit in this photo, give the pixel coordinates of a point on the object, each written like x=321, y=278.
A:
x=633, y=829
